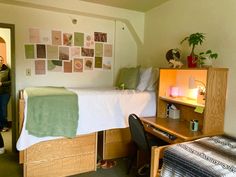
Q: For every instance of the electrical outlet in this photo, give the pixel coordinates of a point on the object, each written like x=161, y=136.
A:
x=28, y=72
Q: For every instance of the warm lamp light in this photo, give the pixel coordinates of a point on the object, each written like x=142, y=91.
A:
x=174, y=91
x=196, y=90
x=192, y=83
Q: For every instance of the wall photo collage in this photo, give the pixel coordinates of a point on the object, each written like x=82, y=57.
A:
x=57, y=51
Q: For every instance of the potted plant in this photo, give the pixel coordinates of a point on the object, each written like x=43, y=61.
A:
x=205, y=58
x=193, y=40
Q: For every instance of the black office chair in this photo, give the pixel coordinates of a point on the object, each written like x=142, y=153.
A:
x=141, y=140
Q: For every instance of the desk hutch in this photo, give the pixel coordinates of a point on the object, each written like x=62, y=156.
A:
x=208, y=112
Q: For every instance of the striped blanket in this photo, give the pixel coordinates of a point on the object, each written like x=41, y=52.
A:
x=207, y=157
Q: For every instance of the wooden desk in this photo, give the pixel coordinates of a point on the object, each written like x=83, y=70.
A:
x=178, y=129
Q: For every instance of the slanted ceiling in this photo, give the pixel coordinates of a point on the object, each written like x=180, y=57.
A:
x=137, y=5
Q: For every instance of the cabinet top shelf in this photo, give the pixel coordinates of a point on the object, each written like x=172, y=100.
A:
x=182, y=100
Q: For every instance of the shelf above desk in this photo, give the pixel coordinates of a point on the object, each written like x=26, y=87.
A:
x=182, y=100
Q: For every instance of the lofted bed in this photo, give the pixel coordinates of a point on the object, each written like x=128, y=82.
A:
x=98, y=110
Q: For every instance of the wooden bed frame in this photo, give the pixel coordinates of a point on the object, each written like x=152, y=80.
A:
x=75, y=155
x=114, y=143
x=60, y=157
x=157, y=154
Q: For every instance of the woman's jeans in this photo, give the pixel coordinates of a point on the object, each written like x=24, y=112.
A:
x=4, y=99
x=1, y=141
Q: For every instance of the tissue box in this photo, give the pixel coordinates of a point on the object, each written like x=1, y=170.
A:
x=174, y=113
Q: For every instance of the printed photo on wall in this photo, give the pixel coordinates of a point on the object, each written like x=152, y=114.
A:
x=67, y=39
x=29, y=51
x=40, y=67
x=41, y=50
x=55, y=65
x=100, y=37
x=87, y=52
x=107, y=50
x=98, y=62
x=89, y=41
x=56, y=38
x=68, y=66
x=78, y=39
x=98, y=49
x=107, y=63
x=34, y=35
x=78, y=65
x=88, y=64
x=45, y=37
x=64, y=53
x=74, y=52
x=52, y=52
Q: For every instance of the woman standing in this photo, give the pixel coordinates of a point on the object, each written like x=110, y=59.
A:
x=5, y=91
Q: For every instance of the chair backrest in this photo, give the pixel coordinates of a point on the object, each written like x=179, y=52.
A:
x=138, y=133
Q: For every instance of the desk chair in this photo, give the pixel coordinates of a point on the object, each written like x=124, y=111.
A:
x=141, y=140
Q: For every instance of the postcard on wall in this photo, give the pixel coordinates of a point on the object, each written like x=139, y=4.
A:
x=87, y=52
x=56, y=38
x=78, y=65
x=52, y=52
x=64, y=53
x=88, y=63
x=98, y=49
x=89, y=41
x=107, y=50
x=55, y=65
x=74, y=52
x=29, y=51
x=40, y=67
x=107, y=63
x=67, y=39
x=100, y=37
x=68, y=66
x=78, y=39
x=41, y=50
x=45, y=37
x=34, y=35
x=98, y=62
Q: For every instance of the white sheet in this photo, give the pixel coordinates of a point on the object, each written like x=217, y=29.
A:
x=100, y=109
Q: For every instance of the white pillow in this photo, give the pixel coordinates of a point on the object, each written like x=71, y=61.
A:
x=152, y=84
x=145, y=76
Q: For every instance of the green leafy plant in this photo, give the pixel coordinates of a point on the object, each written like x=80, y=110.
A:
x=194, y=40
x=202, y=56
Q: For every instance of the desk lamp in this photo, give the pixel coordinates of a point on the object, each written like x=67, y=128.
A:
x=199, y=90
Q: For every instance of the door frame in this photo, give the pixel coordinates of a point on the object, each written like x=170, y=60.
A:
x=13, y=83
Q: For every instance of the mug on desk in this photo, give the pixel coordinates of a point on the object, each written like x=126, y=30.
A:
x=194, y=125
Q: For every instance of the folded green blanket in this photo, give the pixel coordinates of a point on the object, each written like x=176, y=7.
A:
x=51, y=111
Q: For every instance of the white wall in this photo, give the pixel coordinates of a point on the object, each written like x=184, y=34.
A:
x=124, y=31
x=168, y=24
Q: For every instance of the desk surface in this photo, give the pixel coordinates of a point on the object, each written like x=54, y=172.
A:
x=180, y=129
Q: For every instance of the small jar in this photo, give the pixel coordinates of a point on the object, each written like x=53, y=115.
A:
x=194, y=125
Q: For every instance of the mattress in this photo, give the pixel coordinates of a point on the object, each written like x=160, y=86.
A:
x=207, y=157
x=99, y=109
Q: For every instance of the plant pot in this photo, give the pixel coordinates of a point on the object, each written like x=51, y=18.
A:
x=192, y=61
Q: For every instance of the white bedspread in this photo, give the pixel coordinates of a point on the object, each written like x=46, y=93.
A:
x=100, y=109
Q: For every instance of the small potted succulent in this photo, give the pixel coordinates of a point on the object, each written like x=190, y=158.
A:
x=193, y=40
x=205, y=58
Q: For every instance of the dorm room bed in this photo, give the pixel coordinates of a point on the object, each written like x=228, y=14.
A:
x=98, y=110
x=206, y=157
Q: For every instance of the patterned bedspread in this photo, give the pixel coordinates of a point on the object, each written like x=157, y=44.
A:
x=207, y=157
